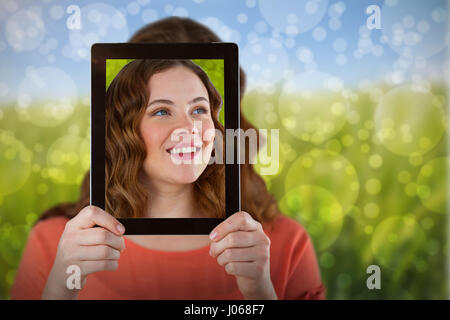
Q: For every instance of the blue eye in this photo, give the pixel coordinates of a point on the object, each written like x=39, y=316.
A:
x=159, y=112
x=202, y=109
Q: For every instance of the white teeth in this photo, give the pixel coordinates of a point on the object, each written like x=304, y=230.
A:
x=183, y=150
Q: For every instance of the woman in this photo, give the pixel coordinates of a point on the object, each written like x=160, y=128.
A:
x=254, y=254
x=181, y=110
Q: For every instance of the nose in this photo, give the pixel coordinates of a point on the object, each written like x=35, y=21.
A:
x=187, y=126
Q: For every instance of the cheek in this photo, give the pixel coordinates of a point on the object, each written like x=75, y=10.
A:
x=208, y=130
x=153, y=136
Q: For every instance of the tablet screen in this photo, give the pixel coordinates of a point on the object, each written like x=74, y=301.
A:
x=164, y=126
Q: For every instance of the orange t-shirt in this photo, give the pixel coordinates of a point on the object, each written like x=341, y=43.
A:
x=152, y=274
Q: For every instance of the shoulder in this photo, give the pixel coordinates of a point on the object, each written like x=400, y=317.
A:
x=51, y=225
x=37, y=258
x=48, y=231
x=288, y=238
x=284, y=228
x=293, y=260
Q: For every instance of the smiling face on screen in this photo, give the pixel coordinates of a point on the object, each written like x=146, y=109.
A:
x=174, y=125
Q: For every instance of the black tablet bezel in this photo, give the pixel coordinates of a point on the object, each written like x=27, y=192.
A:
x=100, y=52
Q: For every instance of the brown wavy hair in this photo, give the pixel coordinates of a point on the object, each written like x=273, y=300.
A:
x=255, y=198
x=126, y=101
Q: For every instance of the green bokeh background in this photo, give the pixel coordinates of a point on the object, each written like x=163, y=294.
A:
x=361, y=202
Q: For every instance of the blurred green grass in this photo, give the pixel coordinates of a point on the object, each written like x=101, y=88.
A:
x=354, y=221
x=411, y=245
x=41, y=189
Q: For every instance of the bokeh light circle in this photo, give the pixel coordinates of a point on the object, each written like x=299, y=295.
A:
x=318, y=210
x=149, y=15
x=327, y=260
x=219, y=27
x=13, y=241
x=25, y=30
x=404, y=177
x=334, y=24
x=409, y=120
x=294, y=16
x=375, y=161
x=396, y=240
x=305, y=55
x=336, y=9
x=266, y=119
x=68, y=158
x=100, y=23
x=327, y=170
x=133, y=8
x=341, y=60
x=57, y=12
x=319, y=33
x=266, y=59
x=371, y=210
x=265, y=164
x=242, y=18
x=410, y=29
x=431, y=188
x=15, y=164
x=373, y=186
x=313, y=106
x=47, y=96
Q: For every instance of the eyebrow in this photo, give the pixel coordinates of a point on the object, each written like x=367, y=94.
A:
x=169, y=102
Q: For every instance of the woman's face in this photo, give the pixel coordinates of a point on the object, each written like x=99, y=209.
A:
x=177, y=121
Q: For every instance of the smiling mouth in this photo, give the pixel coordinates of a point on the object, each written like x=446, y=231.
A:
x=184, y=150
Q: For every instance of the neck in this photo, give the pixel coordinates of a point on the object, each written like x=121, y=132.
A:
x=171, y=201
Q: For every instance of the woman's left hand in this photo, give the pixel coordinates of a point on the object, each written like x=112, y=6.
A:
x=241, y=246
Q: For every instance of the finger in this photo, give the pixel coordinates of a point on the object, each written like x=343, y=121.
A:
x=100, y=252
x=92, y=215
x=88, y=267
x=239, y=221
x=250, y=270
x=101, y=236
x=238, y=255
x=237, y=239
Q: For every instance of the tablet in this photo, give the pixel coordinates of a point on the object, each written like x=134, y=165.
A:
x=165, y=113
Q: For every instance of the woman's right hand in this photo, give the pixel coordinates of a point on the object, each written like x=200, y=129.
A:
x=90, y=248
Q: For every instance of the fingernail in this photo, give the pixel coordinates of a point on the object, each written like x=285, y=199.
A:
x=120, y=228
x=213, y=235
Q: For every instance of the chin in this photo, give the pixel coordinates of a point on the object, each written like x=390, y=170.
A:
x=186, y=174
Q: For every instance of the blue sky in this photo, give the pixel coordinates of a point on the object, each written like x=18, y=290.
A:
x=294, y=35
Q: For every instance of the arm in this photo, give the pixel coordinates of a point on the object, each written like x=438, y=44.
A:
x=304, y=280
x=87, y=248
x=36, y=261
x=243, y=249
x=53, y=246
